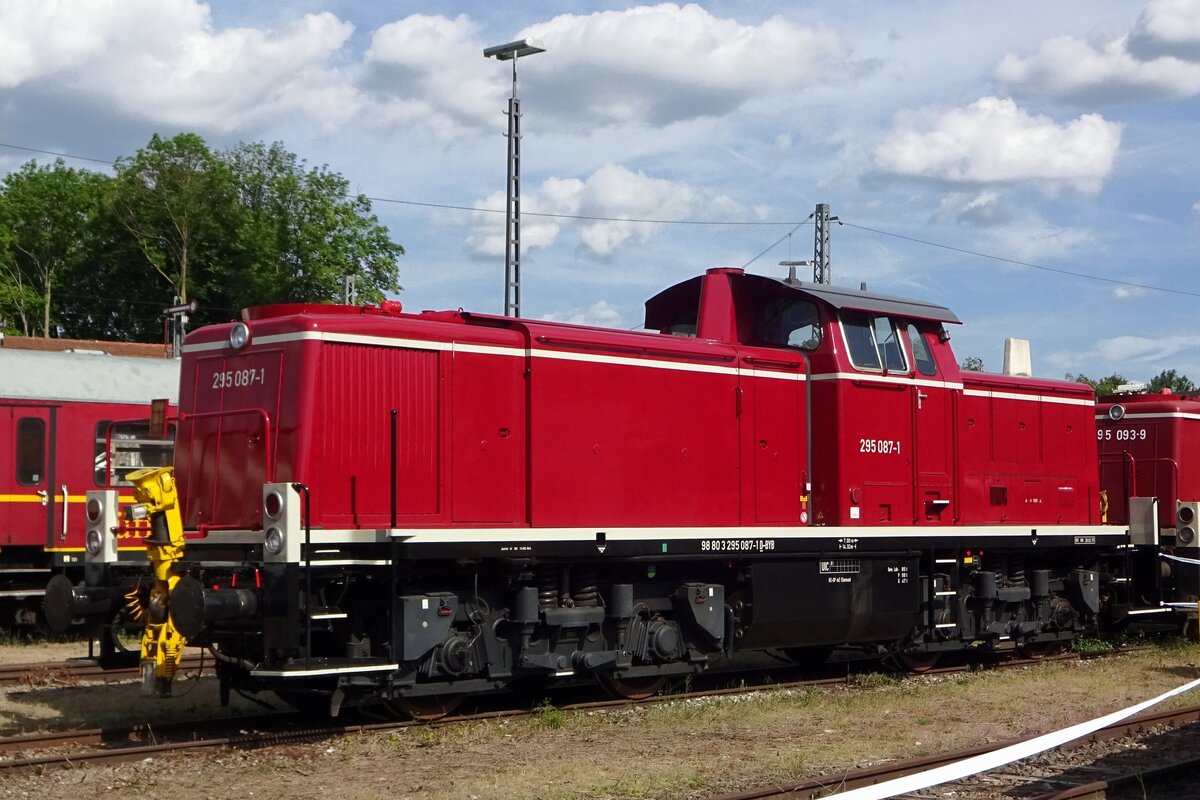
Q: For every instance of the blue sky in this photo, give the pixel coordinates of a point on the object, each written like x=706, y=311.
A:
x=1061, y=135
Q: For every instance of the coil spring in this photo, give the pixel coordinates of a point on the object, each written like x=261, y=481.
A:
x=133, y=604
x=587, y=589
x=1016, y=570
x=547, y=583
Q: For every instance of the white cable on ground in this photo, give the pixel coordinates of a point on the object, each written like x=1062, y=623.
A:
x=988, y=761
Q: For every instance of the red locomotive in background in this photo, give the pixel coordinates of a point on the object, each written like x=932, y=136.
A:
x=415, y=507
x=59, y=400
x=1149, y=447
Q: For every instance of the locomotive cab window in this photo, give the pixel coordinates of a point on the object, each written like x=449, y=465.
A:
x=873, y=342
x=789, y=322
x=920, y=349
x=31, y=451
x=132, y=449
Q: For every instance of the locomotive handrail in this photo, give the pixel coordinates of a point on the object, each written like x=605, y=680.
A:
x=1126, y=455
x=268, y=446
x=308, y=612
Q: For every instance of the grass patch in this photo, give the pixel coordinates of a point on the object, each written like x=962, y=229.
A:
x=550, y=717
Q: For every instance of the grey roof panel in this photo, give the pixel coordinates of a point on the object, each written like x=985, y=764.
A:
x=86, y=376
x=841, y=297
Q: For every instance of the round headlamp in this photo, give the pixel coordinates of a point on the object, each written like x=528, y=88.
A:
x=274, y=541
x=94, y=542
x=273, y=504
x=1186, y=535
x=1116, y=412
x=239, y=336
x=95, y=509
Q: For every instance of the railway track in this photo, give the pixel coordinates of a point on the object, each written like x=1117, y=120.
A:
x=98, y=746
x=999, y=782
x=74, y=671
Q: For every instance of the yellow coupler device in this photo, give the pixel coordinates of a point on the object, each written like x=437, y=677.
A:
x=162, y=644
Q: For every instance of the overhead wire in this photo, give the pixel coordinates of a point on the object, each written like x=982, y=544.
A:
x=773, y=245
x=1030, y=264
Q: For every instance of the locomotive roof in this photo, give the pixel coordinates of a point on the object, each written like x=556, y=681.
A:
x=89, y=376
x=839, y=297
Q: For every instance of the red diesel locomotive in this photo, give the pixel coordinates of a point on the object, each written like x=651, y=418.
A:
x=58, y=399
x=378, y=505
x=1149, y=447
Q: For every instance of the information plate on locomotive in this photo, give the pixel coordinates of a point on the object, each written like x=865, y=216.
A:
x=737, y=545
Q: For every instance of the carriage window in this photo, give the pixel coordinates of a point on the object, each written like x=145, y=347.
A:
x=873, y=342
x=132, y=449
x=788, y=322
x=31, y=451
x=921, y=354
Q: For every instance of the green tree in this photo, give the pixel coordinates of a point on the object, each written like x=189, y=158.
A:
x=47, y=214
x=300, y=231
x=1170, y=379
x=248, y=226
x=176, y=201
x=972, y=364
x=1102, y=387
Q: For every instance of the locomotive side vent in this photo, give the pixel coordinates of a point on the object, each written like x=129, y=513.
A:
x=839, y=566
x=998, y=495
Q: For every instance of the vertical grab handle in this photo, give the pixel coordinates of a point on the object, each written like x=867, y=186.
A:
x=66, y=513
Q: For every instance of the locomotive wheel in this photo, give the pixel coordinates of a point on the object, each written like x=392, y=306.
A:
x=424, y=709
x=640, y=688
x=1036, y=651
x=918, y=662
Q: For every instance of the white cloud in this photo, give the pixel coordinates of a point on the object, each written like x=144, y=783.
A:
x=162, y=60
x=1128, y=292
x=1196, y=208
x=994, y=142
x=1142, y=348
x=665, y=63
x=429, y=70
x=1167, y=28
x=983, y=209
x=1158, y=57
x=1031, y=238
x=600, y=314
x=611, y=191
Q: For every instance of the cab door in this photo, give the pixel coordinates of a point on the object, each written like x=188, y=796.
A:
x=933, y=433
x=28, y=503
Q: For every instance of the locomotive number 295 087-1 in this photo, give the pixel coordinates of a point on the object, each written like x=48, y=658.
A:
x=882, y=446
x=237, y=378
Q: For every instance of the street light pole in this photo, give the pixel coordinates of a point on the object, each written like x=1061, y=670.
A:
x=512, y=223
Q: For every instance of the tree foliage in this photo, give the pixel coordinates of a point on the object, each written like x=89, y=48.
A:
x=1170, y=379
x=101, y=256
x=1102, y=387
x=972, y=364
x=47, y=214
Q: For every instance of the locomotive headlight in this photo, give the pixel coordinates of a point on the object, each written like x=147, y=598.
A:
x=1186, y=535
x=239, y=336
x=273, y=504
x=274, y=541
x=1116, y=412
x=94, y=541
x=95, y=509
x=1185, y=514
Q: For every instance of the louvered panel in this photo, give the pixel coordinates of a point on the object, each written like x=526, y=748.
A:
x=358, y=387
